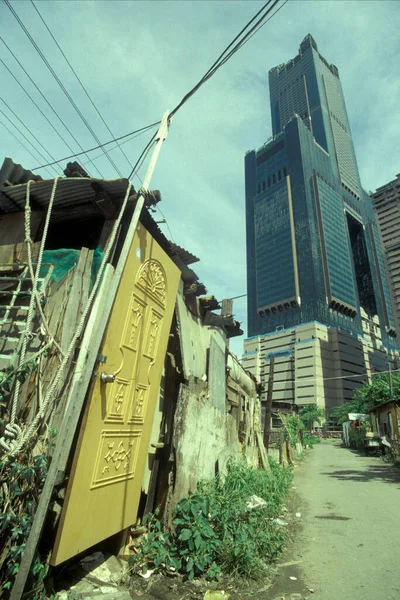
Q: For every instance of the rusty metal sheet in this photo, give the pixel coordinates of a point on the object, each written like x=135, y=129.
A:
x=105, y=483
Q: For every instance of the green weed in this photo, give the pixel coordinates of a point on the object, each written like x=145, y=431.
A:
x=215, y=531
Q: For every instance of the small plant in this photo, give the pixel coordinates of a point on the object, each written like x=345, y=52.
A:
x=310, y=440
x=293, y=429
x=21, y=484
x=357, y=437
x=215, y=531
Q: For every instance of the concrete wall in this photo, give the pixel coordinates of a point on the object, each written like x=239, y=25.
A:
x=204, y=438
x=317, y=364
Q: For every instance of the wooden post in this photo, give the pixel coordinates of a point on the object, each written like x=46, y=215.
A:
x=268, y=408
x=82, y=375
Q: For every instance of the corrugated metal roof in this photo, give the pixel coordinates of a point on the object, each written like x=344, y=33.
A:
x=73, y=192
x=14, y=173
x=187, y=257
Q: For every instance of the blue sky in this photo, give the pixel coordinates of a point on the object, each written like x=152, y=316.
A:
x=138, y=59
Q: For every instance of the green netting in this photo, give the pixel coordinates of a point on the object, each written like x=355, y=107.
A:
x=65, y=259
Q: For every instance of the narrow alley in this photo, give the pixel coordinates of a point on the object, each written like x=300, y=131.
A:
x=348, y=546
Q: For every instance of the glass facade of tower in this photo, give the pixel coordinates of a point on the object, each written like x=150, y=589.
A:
x=313, y=248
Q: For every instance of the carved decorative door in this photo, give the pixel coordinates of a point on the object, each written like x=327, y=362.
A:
x=105, y=483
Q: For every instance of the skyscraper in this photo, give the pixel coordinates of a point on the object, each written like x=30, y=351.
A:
x=386, y=202
x=313, y=248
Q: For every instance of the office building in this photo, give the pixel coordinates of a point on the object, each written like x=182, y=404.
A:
x=386, y=203
x=314, y=254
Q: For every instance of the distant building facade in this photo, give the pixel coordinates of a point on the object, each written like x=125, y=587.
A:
x=313, y=247
x=386, y=202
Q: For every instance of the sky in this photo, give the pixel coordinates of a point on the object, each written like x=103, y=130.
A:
x=138, y=59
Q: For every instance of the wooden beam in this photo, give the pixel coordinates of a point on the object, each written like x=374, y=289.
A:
x=82, y=375
x=268, y=408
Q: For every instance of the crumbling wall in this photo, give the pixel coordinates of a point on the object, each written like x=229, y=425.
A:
x=205, y=438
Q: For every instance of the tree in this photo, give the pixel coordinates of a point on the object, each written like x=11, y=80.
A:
x=382, y=388
x=310, y=414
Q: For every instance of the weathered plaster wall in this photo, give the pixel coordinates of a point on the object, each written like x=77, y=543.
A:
x=204, y=438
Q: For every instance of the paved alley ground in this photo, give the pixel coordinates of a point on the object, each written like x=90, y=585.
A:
x=349, y=546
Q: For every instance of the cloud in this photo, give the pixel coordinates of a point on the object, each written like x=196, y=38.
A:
x=139, y=58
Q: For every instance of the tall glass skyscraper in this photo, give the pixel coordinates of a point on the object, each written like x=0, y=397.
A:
x=313, y=247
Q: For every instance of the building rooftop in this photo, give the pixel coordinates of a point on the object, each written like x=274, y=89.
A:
x=308, y=42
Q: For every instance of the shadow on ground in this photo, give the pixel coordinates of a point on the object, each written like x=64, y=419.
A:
x=367, y=474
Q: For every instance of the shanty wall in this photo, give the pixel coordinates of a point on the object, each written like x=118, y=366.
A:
x=212, y=404
x=204, y=438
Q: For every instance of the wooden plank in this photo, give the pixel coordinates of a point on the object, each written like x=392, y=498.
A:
x=83, y=372
x=12, y=227
x=75, y=301
x=268, y=408
x=17, y=253
x=90, y=344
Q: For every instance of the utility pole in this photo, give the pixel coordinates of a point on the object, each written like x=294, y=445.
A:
x=390, y=382
x=85, y=364
x=268, y=407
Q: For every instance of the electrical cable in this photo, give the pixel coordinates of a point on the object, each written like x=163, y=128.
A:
x=60, y=83
x=29, y=131
x=268, y=8
x=136, y=167
x=186, y=97
x=22, y=144
x=121, y=137
x=44, y=98
x=306, y=379
x=265, y=22
x=134, y=136
x=20, y=132
x=166, y=222
x=78, y=79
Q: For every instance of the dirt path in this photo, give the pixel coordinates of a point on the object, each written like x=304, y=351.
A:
x=348, y=548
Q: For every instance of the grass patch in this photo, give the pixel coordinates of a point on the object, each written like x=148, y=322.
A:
x=310, y=440
x=214, y=530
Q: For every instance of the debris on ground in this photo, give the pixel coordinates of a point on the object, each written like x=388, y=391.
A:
x=255, y=502
x=146, y=575
x=279, y=522
x=216, y=595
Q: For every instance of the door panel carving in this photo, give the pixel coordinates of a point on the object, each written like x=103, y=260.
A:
x=105, y=482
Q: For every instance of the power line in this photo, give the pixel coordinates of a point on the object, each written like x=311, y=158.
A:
x=121, y=137
x=306, y=379
x=265, y=22
x=134, y=136
x=209, y=73
x=236, y=297
x=22, y=143
x=149, y=144
x=222, y=59
x=29, y=131
x=78, y=79
x=59, y=82
x=20, y=132
x=44, y=98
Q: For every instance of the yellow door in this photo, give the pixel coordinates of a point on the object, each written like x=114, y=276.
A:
x=105, y=483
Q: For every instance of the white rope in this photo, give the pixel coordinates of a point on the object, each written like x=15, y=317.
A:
x=35, y=276
x=49, y=395
x=27, y=335
x=31, y=304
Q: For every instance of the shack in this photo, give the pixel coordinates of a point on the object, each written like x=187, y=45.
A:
x=385, y=420
x=115, y=364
